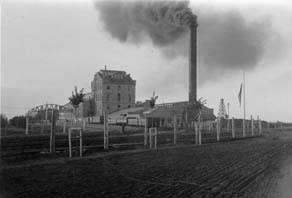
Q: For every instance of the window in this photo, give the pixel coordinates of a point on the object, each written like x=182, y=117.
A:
x=108, y=87
x=119, y=106
x=119, y=87
x=130, y=98
x=119, y=97
x=129, y=106
x=108, y=107
x=107, y=96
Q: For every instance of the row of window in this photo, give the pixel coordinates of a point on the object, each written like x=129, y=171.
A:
x=119, y=97
x=119, y=106
x=108, y=97
x=119, y=87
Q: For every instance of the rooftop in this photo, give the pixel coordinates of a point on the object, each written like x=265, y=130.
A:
x=115, y=76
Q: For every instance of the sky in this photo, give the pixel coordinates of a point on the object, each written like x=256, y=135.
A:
x=48, y=47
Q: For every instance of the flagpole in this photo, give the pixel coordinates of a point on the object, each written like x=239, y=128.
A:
x=244, y=104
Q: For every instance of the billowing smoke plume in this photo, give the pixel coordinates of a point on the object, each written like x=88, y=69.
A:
x=226, y=41
x=163, y=21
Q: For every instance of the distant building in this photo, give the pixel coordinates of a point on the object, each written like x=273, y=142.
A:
x=84, y=109
x=162, y=114
x=112, y=91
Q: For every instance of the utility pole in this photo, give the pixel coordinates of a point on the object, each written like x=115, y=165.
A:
x=243, y=124
x=228, y=116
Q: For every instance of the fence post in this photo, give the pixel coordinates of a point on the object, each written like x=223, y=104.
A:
x=155, y=138
x=252, y=126
x=80, y=142
x=150, y=138
x=145, y=131
x=186, y=120
x=64, y=127
x=200, y=133
x=42, y=127
x=260, y=125
x=174, y=129
x=26, y=125
x=52, y=135
x=70, y=145
x=105, y=134
x=196, y=132
x=243, y=128
x=233, y=128
x=218, y=129
x=83, y=124
x=5, y=130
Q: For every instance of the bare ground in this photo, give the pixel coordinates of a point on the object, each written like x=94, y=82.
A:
x=256, y=167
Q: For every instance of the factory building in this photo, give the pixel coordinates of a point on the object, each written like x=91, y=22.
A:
x=162, y=115
x=112, y=90
x=184, y=112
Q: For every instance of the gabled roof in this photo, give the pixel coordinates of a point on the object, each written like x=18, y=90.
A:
x=179, y=109
x=168, y=111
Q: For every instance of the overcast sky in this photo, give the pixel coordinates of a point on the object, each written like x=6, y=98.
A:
x=48, y=47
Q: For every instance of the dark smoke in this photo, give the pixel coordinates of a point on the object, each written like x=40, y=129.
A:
x=226, y=41
x=163, y=21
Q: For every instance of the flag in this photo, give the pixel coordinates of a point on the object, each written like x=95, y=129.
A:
x=239, y=95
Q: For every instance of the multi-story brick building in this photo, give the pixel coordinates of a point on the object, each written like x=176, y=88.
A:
x=113, y=90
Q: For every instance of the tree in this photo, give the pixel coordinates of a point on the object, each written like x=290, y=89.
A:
x=153, y=100
x=76, y=98
x=4, y=121
x=18, y=121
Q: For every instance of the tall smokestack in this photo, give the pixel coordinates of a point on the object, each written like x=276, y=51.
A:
x=193, y=60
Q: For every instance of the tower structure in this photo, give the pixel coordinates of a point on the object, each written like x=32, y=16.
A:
x=193, y=59
x=113, y=90
x=222, y=113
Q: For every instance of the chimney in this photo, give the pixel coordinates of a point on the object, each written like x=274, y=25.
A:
x=193, y=60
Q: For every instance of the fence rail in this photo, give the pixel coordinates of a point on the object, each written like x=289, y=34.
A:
x=132, y=137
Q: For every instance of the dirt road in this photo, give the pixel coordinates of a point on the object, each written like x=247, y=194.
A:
x=278, y=184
